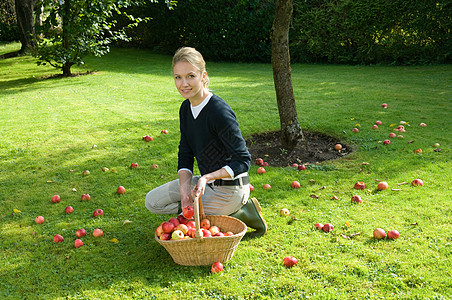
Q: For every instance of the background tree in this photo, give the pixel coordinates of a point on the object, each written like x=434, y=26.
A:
x=291, y=132
x=25, y=23
x=74, y=29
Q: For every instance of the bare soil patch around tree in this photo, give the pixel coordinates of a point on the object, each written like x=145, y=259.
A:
x=316, y=148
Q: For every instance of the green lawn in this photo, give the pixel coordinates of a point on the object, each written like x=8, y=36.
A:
x=54, y=129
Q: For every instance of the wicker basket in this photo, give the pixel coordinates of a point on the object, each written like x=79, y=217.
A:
x=201, y=251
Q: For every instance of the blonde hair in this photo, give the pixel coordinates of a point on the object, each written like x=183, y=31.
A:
x=192, y=56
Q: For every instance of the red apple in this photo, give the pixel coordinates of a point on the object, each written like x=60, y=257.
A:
x=206, y=233
x=355, y=129
x=218, y=234
x=98, y=232
x=105, y=169
x=260, y=170
x=165, y=236
x=205, y=223
x=290, y=261
x=68, y=209
x=168, y=227
x=121, y=190
x=251, y=187
x=177, y=235
x=357, y=199
x=301, y=167
x=392, y=135
x=295, y=185
x=154, y=166
x=175, y=221
x=56, y=199
x=98, y=212
x=375, y=127
x=214, y=230
x=191, y=232
x=39, y=220
x=423, y=125
x=436, y=145
x=338, y=147
x=417, y=182
x=384, y=105
x=328, y=227
x=216, y=267
x=164, y=131
x=188, y=212
x=85, y=197
x=382, y=185
x=147, y=138
x=191, y=224
x=182, y=219
x=259, y=161
x=78, y=243
x=80, y=233
x=295, y=165
x=393, y=234
x=418, y=150
x=183, y=228
x=133, y=165
x=159, y=231
x=58, y=238
x=284, y=212
x=229, y=233
x=386, y=142
x=319, y=226
x=86, y=173
x=265, y=164
x=379, y=122
x=360, y=185
x=379, y=233
x=267, y=186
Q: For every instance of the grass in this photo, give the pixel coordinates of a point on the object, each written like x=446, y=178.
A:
x=53, y=129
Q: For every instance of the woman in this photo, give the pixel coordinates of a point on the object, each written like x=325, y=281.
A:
x=210, y=133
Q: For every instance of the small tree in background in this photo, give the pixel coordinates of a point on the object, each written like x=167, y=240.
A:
x=74, y=29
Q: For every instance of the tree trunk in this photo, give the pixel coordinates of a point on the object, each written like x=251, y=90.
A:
x=291, y=132
x=25, y=22
x=66, y=32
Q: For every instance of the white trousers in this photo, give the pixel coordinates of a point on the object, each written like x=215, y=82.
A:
x=217, y=200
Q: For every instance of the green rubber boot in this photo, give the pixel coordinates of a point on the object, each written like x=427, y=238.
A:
x=251, y=215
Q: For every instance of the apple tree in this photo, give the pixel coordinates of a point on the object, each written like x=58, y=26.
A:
x=74, y=29
x=291, y=133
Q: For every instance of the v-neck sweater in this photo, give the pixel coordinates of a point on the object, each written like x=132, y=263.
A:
x=213, y=138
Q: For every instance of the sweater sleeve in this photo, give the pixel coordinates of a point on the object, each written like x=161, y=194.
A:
x=185, y=155
x=228, y=131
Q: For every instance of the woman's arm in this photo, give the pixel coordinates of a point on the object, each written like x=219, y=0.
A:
x=185, y=178
x=200, y=187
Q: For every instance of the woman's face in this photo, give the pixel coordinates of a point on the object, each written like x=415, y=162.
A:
x=189, y=81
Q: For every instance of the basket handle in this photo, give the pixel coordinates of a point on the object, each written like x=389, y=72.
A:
x=199, y=215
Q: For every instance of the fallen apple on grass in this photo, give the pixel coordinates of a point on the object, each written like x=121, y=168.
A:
x=105, y=169
x=319, y=226
x=383, y=185
x=68, y=209
x=147, y=138
x=374, y=127
x=378, y=122
x=357, y=199
x=423, y=125
x=436, y=145
x=78, y=243
x=164, y=131
x=133, y=165
x=355, y=130
x=384, y=105
x=58, y=238
x=98, y=232
x=121, y=190
x=338, y=147
x=259, y=161
x=417, y=182
x=217, y=267
x=154, y=166
x=86, y=173
x=360, y=185
x=418, y=151
x=39, y=220
x=301, y=167
x=393, y=234
x=379, y=233
x=80, y=233
x=328, y=227
x=56, y=199
x=85, y=197
x=98, y=212
x=392, y=135
x=284, y=212
x=251, y=187
x=261, y=170
x=295, y=184
x=266, y=186
x=386, y=142
x=290, y=261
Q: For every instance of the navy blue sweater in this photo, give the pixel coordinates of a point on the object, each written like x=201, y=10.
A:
x=213, y=138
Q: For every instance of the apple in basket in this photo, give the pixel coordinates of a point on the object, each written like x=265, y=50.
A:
x=214, y=230
x=168, y=227
x=191, y=232
x=159, y=231
x=183, y=228
x=191, y=224
x=177, y=235
x=175, y=221
x=229, y=233
x=182, y=219
x=206, y=233
x=205, y=223
x=188, y=212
